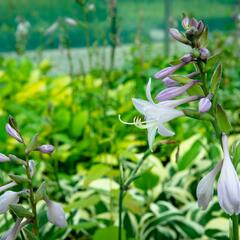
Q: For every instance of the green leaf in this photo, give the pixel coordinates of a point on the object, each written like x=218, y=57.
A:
x=195, y=90
x=83, y=203
x=108, y=233
x=236, y=153
x=20, y=211
x=147, y=181
x=212, y=61
x=33, y=144
x=18, y=179
x=216, y=79
x=41, y=192
x=189, y=156
x=181, y=79
x=222, y=119
x=204, y=37
x=78, y=123
x=96, y=172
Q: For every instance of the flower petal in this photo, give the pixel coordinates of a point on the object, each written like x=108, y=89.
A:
x=228, y=184
x=205, y=187
x=151, y=135
x=162, y=130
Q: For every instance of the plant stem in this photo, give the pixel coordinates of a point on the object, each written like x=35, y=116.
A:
x=120, y=209
x=124, y=187
x=235, y=231
x=32, y=199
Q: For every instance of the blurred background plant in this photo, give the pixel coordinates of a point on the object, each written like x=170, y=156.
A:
x=75, y=108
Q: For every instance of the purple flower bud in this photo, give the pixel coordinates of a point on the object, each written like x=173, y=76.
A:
x=173, y=92
x=46, y=148
x=185, y=22
x=178, y=36
x=169, y=82
x=193, y=74
x=51, y=29
x=194, y=22
x=187, y=58
x=200, y=27
x=4, y=158
x=13, y=133
x=204, y=53
x=168, y=71
x=204, y=105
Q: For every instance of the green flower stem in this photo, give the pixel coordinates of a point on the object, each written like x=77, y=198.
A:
x=235, y=231
x=32, y=198
x=124, y=187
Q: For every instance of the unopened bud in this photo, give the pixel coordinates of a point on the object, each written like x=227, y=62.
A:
x=169, y=82
x=46, y=148
x=185, y=22
x=56, y=214
x=4, y=158
x=204, y=53
x=204, y=105
x=13, y=133
x=178, y=36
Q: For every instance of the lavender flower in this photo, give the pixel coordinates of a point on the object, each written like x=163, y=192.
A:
x=56, y=214
x=204, y=53
x=156, y=115
x=173, y=92
x=228, y=183
x=228, y=188
x=169, y=82
x=178, y=36
x=4, y=158
x=204, y=105
x=6, y=199
x=46, y=148
x=205, y=187
x=13, y=133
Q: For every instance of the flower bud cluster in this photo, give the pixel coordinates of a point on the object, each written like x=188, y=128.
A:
x=9, y=200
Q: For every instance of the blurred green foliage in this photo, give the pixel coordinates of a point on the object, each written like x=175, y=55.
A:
x=133, y=16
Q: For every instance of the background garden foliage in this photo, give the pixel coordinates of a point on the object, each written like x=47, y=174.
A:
x=78, y=114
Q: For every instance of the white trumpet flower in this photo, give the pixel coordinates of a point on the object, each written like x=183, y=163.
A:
x=205, y=187
x=56, y=214
x=6, y=199
x=157, y=114
x=228, y=183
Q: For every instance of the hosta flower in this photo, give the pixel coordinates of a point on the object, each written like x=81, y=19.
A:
x=169, y=82
x=4, y=158
x=56, y=214
x=228, y=188
x=156, y=115
x=6, y=199
x=204, y=104
x=12, y=233
x=205, y=187
x=7, y=186
x=46, y=148
x=173, y=92
x=228, y=183
x=170, y=70
x=13, y=133
x=204, y=53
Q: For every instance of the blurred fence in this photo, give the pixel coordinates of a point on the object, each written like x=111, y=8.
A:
x=136, y=20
